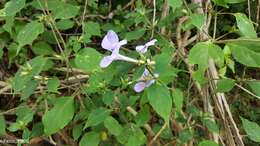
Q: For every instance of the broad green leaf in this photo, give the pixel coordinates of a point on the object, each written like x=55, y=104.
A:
x=135, y=35
x=113, y=126
x=76, y=131
x=208, y=143
x=2, y=125
x=65, y=11
x=225, y=85
x=245, y=55
x=90, y=139
x=12, y=7
x=143, y=116
x=197, y=20
x=163, y=67
x=50, y=4
x=211, y=125
x=42, y=48
x=255, y=86
x=222, y=3
x=245, y=26
x=65, y=24
x=185, y=135
x=92, y=28
x=53, y=84
x=108, y=97
x=26, y=73
x=252, y=129
x=203, y=51
x=200, y=54
x=137, y=137
x=97, y=116
x=160, y=99
x=29, y=88
x=124, y=136
x=37, y=130
x=29, y=33
x=88, y=59
x=175, y=4
x=177, y=97
x=24, y=114
x=59, y=116
x=15, y=126
x=9, y=22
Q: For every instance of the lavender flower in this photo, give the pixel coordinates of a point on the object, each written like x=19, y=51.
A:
x=143, y=48
x=111, y=43
x=145, y=81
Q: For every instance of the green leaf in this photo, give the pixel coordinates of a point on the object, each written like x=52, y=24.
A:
x=200, y=54
x=225, y=85
x=76, y=131
x=59, y=116
x=252, y=129
x=163, y=66
x=113, y=126
x=24, y=114
x=177, y=97
x=15, y=126
x=143, y=116
x=222, y=3
x=29, y=33
x=92, y=28
x=37, y=130
x=12, y=7
x=53, y=84
x=234, y=1
x=65, y=24
x=161, y=101
x=97, y=116
x=255, y=86
x=245, y=55
x=185, y=135
x=175, y=4
x=135, y=35
x=197, y=20
x=29, y=88
x=136, y=138
x=90, y=139
x=203, y=51
x=9, y=22
x=65, y=11
x=26, y=73
x=245, y=26
x=108, y=97
x=88, y=59
x=42, y=48
x=208, y=143
x=211, y=125
x=2, y=125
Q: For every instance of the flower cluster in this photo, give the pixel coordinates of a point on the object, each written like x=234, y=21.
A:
x=111, y=43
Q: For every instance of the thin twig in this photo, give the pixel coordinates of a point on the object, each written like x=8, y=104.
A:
x=257, y=14
x=154, y=15
x=158, y=133
x=84, y=12
x=247, y=91
x=249, y=9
